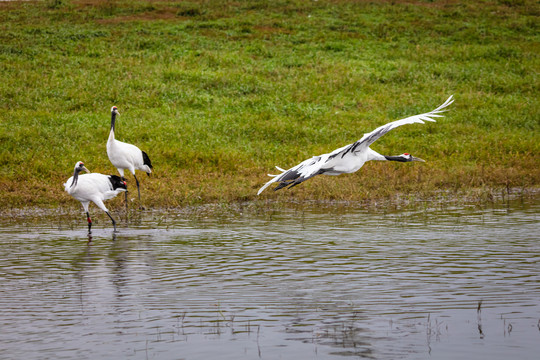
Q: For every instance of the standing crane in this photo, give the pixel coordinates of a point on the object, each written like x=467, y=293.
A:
x=352, y=157
x=94, y=187
x=126, y=156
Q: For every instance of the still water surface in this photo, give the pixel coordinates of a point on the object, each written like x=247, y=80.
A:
x=283, y=284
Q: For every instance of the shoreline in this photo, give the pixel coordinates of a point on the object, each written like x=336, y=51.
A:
x=398, y=202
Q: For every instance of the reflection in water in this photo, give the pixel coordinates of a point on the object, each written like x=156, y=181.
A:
x=455, y=283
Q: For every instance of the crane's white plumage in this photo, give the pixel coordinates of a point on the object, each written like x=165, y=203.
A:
x=94, y=188
x=126, y=156
x=350, y=158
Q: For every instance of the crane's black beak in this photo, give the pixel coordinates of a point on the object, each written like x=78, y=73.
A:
x=417, y=159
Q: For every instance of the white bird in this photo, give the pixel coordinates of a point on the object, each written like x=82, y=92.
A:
x=352, y=157
x=126, y=156
x=94, y=187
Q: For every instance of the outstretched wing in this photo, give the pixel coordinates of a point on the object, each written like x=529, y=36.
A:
x=314, y=166
x=297, y=174
x=371, y=137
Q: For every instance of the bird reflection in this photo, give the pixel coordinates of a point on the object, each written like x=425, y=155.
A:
x=119, y=255
x=90, y=238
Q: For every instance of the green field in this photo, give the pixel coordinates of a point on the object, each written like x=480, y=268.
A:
x=218, y=92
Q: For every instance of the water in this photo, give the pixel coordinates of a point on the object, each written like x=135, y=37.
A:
x=282, y=284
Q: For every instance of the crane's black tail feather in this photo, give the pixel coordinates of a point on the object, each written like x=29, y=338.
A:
x=117, y=182
x=146, y=160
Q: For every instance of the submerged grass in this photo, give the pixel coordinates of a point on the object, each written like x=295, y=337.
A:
x=218, y=92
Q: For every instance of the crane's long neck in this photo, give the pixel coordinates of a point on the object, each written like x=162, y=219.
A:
x=396, y=158
x=373, y=155
x=113, y=122
x=75, y=177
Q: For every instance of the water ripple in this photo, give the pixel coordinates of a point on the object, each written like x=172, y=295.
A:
x=319, y=285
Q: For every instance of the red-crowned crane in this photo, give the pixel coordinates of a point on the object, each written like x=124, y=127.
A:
x=126, y=156
x=94, y=187
x=352, y=157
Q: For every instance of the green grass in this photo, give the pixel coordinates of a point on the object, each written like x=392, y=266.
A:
x=218, y=92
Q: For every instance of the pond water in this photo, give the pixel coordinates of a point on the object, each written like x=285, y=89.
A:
x=457, y=282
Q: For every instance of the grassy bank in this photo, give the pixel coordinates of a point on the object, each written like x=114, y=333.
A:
x=218, y=92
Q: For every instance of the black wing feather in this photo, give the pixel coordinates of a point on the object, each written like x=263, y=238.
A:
x=117, y=182
x=146, y=160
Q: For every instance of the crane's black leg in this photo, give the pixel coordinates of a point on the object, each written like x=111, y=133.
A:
x=89, y=222
x=113, y=222
x=126, y=197
x=139, y=191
